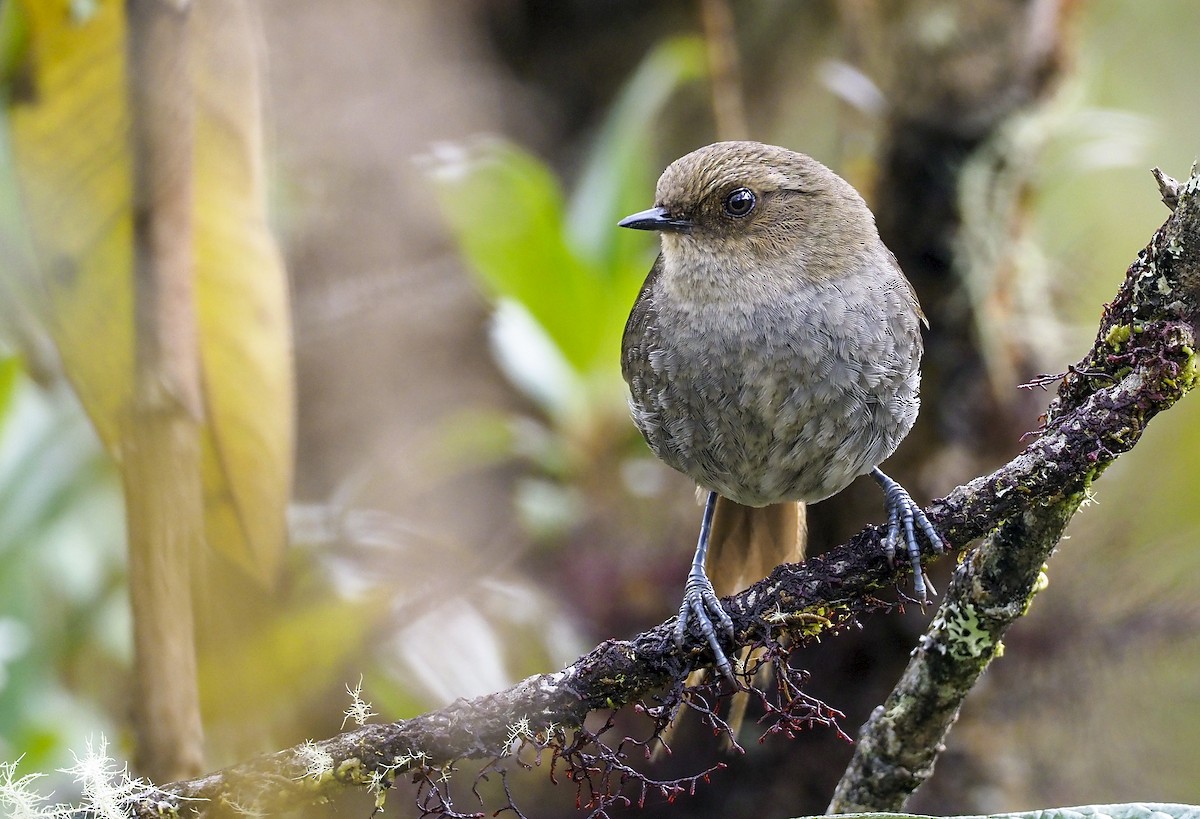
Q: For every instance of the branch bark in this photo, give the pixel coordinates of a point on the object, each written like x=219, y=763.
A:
x=991, y=589
x=1143, y=361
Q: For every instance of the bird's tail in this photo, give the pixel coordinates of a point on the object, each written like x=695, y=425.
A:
x=746, y=543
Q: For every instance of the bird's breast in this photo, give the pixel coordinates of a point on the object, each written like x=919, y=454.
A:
x=782, y=398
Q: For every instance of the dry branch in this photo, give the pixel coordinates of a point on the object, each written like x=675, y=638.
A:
x=1142, y=362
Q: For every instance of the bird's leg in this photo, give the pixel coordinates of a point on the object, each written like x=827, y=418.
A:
x=700, y=601
x=903, y=511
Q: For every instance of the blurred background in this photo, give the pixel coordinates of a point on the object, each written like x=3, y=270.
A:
x=471, y=503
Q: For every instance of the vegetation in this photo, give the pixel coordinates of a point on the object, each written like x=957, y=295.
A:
x=480, y=509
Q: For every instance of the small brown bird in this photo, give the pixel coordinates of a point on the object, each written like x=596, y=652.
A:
x=772, y=356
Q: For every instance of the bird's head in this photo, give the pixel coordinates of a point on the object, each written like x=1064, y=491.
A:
x=736, y=209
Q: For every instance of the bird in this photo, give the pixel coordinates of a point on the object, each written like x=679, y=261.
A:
x=772, y=356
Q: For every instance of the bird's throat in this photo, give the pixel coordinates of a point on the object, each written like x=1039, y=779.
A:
x=699, y=279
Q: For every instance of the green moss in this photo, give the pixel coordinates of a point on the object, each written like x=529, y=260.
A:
x=351, y=770
x=807, y=623
x=1190, y=373
x=1118, y=335
x=1041, y=583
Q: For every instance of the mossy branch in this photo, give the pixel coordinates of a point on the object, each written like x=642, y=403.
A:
x=1142, y=362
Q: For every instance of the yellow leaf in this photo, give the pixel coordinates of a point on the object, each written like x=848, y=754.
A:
x=69, y=140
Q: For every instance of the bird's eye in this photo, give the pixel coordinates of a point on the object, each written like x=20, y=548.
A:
x=740, y=202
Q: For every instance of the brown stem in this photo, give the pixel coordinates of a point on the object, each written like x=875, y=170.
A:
x=720, y=38
x=160, y=450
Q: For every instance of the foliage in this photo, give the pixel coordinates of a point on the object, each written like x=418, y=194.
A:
x=67, y=302
x=63, y=612
x=562, y=278
x=68, y=123
x=562, y=262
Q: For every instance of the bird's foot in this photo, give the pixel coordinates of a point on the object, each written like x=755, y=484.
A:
x=701, y=604
x=904, y=514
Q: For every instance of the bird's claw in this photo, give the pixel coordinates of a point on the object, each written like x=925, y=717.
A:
x=701, y=604
x=904, y=513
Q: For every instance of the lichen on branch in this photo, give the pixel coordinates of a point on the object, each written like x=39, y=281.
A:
x=1142, y=361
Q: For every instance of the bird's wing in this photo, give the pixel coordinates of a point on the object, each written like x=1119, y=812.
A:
x=641, y=323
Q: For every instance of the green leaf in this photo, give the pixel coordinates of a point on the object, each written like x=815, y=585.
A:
x=574, y=272
x=14, y=44
x=622, y=167
x=10, y=368
x=532, y=362
x=505, y=209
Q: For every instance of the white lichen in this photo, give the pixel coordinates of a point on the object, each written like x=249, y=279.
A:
x=108, y=789
x=18, y=799
x=518, y=731
x=378, y=782
x=411, y=760
x=245, y=809
x=1190, y=187
x=359, y=710
x=317, y=761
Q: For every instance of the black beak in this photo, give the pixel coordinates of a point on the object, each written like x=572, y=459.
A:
x=655, y=219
